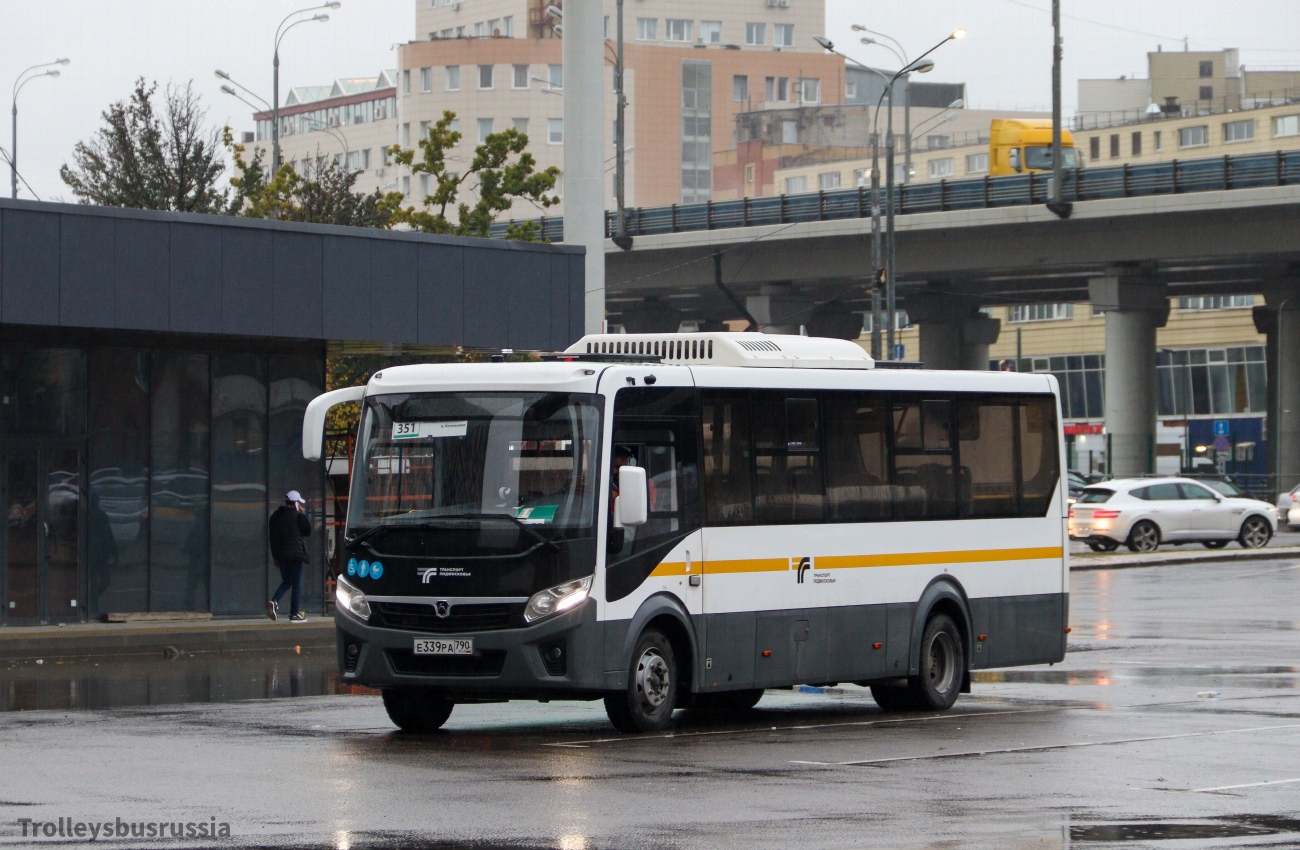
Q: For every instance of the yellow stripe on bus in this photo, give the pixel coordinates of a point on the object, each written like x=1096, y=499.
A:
x=849, y=562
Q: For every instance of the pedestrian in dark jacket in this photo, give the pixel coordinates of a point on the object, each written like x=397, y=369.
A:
x=290, y=529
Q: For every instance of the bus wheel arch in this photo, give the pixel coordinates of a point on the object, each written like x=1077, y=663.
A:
x=667, y=614
x=944, y=595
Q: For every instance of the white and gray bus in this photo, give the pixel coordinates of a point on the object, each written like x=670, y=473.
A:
x=685, y=520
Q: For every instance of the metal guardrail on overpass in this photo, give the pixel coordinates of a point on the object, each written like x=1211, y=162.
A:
x=1244, y=171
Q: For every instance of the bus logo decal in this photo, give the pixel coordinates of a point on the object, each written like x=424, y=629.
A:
x=801, y=566
x=426, y=574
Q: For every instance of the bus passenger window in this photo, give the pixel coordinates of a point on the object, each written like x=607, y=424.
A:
x=857, y=460
x=1040, y=462
x=728, y=498
x=787, y=465
x=987, y=475
x=923, y=473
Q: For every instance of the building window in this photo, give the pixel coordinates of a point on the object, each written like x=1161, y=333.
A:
x=783, y=35
x=1239, y=131
x=484, y=129
x=406, y=135
x=452, y=77
x=508, y=26
x=425, y=184
x=519, y=78
x=448, y=33
x=1216, y=302
x=1094, y=148
x=789, y=132
x=1156, y=140
x=555, y=131
x=829, y=180
x=354, y=160
x=406, y=82
x=406, y=185
x=796, y=185
x=1207, y=93
x=1193, y=137
x=1205, y=382
x=424, y=131
x=710, y=32
x=862, y=176
x=1114, y=146
x=740, y=88
x=647, y=29
x=851, y=90
x=1080, y=377
x=365, y=158
x=1207, y=69
x=1287, y=125
x=936, y=141
x=485, y=76
x=520, y=125
x=555, y=76
x=426, y=79
x=454, y=126
x=778, y=89
x=1039, y=313
x=941, y=167
x=810, y=91
x=749, y=174
x=755, y=34
x=676, y=29
x=697, y=132
x=480, y=30
x=977, y=163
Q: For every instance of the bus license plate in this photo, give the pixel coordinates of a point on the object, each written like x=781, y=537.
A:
x=444, y=646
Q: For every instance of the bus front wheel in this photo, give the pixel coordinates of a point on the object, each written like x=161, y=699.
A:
x=415, y=710
x=647, y=703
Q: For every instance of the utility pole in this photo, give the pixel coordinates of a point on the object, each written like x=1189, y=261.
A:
x=620, y=142
x=1057, y=204
x=584, y=146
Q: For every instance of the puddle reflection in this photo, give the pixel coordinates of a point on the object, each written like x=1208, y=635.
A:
x=202, y=678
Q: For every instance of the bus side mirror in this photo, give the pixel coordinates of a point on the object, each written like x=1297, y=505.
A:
x=1013, y=156
x=633, y=497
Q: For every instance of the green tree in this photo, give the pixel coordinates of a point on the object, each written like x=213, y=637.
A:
x=501, y=171
x=143, y=160
x=323, y=197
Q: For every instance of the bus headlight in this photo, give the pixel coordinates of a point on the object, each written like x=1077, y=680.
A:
x=351, y=600
x=556, y=599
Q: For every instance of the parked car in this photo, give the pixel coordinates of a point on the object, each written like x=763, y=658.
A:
x=1288, y=508
x=1142, y=513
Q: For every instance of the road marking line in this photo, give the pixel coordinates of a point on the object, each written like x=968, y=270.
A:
x=713, y=733
x=1043, y=747
x=1245, y=785
x=1267, y=572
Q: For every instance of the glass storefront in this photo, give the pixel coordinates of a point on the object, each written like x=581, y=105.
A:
x=136, y=478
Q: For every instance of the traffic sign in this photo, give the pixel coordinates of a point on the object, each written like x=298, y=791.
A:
x=1220, y=444
x=1221, y=427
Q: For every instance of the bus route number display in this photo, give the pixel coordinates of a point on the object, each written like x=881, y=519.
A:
x=429, y=430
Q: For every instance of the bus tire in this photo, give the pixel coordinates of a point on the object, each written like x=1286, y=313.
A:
x=943, y=665
x=647, y=703
x=416, y=710
x=894, y=698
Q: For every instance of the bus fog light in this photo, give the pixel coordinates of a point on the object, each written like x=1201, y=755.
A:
x=560, y=598
x=351, y=599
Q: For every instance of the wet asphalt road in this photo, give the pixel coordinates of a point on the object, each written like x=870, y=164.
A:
x=1174, y=722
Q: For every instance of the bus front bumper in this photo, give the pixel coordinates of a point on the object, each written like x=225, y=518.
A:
x=560, y=656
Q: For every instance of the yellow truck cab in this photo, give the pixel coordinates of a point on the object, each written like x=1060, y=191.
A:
x=1018, y=145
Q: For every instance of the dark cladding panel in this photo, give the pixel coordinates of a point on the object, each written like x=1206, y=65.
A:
x=31, y=268
x=86, y=271
x=295, y=381
x=142, y=274
x=529, y=287
x=297, y=305
x=394, y=293
x=559, y=302
x=195, y=279
x=347, y=278
x=239, y=468
x=441, y=291
x=577, y=297
x=487, y=286
x=246, y=282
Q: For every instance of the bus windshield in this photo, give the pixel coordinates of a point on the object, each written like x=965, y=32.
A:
x=1039, y=158
x=447, y=459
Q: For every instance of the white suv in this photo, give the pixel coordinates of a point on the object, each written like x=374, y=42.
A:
x=1145, y=512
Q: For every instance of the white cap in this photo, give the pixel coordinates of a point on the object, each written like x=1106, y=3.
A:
x=295, y=496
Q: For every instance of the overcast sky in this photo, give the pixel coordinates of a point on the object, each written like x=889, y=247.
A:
x=1005, y=60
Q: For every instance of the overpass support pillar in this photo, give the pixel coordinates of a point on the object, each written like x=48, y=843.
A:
x=780, y=309
x=651, y=316
x=1135, y=307
x=1279, y=320
x=954, y=333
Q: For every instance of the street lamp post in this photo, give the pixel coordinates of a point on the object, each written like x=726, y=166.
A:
x=280, y=32
x=23, y=80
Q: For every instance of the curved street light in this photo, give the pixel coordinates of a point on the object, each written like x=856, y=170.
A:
x=280, y=33
x=24, y=79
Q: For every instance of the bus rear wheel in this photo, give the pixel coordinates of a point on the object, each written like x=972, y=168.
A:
x=943, y=667
x=416, y=710
x=647, y=703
